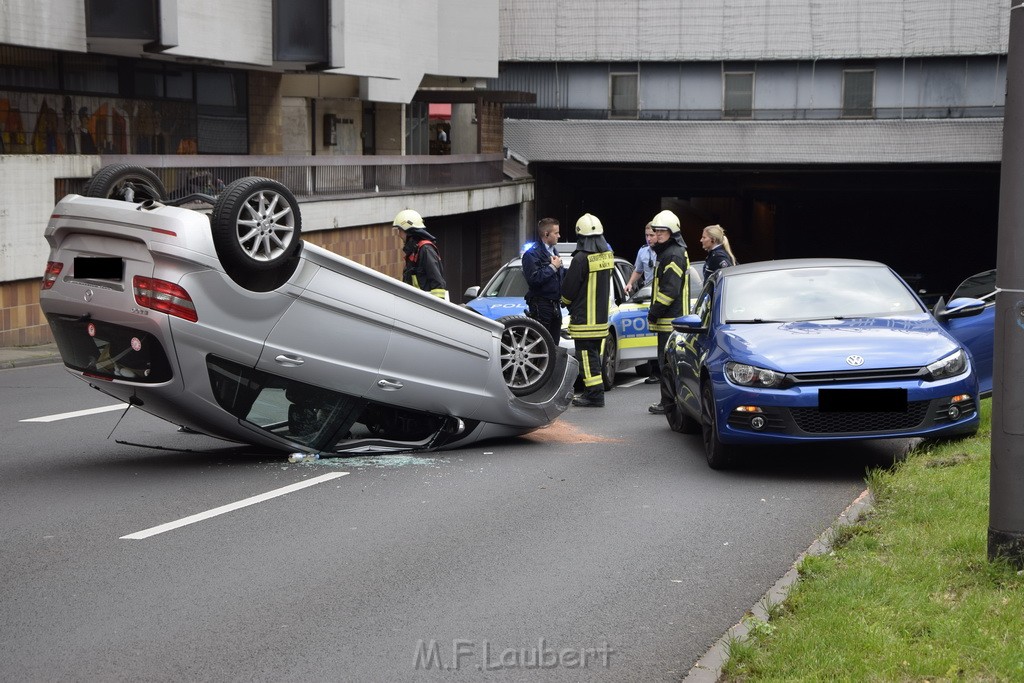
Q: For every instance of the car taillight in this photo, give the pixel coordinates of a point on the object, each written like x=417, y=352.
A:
x=53, y=269
x=163, y=296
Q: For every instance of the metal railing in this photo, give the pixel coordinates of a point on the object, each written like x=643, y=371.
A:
x=316, y=176
x=809, y=114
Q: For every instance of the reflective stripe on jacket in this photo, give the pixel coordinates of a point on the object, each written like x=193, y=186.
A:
x=586, y=290
x=671, y=289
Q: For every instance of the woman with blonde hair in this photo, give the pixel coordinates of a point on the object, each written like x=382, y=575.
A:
x=714, y=241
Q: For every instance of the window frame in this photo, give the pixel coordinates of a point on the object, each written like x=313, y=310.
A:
x=618, y=112
x=849, y=111
x=737, y=112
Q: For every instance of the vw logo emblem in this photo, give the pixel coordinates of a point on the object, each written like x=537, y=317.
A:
x=854, y=360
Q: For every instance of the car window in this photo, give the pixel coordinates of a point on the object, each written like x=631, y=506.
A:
x=507, y=282
x=816, y=293
x=293, y=410
x=702, y=306
x=980, y=286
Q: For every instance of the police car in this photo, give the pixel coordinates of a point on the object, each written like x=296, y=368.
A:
x=630, y=342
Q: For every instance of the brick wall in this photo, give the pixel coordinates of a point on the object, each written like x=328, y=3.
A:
x=372, y=246
x=21, y=320
x=265, y=113
x=492, y=127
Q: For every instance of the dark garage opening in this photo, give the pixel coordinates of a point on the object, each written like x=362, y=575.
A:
x=934, y=225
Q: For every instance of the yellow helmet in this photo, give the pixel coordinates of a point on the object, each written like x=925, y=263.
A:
x=588, y=224
x=666, y=220
x=408, y=219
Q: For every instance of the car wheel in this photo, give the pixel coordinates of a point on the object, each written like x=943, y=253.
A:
x=126, y=182
x=719, y=455
x=527, y=354
x=257, y=231
x=609, y=359
x=678, y=419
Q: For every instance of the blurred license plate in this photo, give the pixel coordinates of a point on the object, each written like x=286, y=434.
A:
x=862, y=400
x=98, y=268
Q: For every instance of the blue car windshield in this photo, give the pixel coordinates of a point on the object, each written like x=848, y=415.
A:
x=833, y=292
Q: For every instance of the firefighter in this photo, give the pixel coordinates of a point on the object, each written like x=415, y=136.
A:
x=670, y=293
x=586, y=291
x=423, y=268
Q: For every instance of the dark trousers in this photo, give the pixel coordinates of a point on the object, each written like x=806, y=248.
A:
x=548, y=313
x=588, y=353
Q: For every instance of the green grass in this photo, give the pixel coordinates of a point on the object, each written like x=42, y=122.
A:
x=906, y=593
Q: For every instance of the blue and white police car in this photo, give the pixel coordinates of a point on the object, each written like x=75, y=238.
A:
x=630, y=343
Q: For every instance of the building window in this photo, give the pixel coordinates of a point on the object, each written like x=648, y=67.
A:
x=858, y=93
x=624, y=96
x=738, y=97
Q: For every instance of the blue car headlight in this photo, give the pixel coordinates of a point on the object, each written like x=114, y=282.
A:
x=952, y=365
x=753, y=376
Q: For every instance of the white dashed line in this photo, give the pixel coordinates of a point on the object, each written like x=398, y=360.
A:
x=77, y=413
x=192, y=519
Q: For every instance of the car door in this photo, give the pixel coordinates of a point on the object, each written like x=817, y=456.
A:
x=691, y=350
x=629, y=318
x=977, y=332
x=336, y=332
x=442, y=359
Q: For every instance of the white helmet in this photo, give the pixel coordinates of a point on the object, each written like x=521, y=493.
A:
x=588, y=224
x=666, y=220
x=408, y=219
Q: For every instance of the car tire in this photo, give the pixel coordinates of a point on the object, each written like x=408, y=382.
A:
x=678, y=419
x=257, y=231
x=609, y=359
x=527, y=354
x=126, y=182
x=719, y=455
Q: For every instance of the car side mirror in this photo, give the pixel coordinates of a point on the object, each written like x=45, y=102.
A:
x=961, y=307
x=471, y=293
x=689, y=324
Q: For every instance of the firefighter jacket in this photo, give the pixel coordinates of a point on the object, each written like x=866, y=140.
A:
x=670, y=293
x=423, y=265
x=586, y=291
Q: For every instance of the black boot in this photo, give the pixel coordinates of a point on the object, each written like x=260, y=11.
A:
x=590, y=398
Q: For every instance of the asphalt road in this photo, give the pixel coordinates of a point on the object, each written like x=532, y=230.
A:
x=600, y=548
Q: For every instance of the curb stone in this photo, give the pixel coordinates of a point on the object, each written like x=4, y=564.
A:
x=708, y=668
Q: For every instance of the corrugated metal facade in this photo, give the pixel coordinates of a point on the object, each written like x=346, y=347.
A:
x=715, y=30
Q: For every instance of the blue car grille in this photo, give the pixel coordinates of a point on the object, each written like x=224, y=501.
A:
x=855, y=375
x=814, y=421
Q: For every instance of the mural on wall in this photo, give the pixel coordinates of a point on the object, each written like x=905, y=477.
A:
x=45, y=123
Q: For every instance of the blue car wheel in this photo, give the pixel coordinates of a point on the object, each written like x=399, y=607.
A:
x=719, y=455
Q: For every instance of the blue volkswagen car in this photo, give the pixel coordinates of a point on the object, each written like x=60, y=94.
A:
x=630, y=342
x=809, y=350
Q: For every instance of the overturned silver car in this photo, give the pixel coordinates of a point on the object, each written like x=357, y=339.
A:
x=227, y=323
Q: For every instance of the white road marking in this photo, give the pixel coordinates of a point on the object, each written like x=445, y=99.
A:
x=77, y=413
x=192, y=519
x=633, y=382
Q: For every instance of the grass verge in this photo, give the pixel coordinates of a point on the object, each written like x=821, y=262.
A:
x=907, y=593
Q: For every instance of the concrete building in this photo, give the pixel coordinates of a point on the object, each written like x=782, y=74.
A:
x=868, y=129
x=337, y=91
x=806, y=127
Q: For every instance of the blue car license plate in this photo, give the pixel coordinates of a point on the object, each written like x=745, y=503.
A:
x=862, y=400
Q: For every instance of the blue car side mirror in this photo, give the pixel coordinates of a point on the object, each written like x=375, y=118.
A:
x=688, y=324
x=961, y=307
